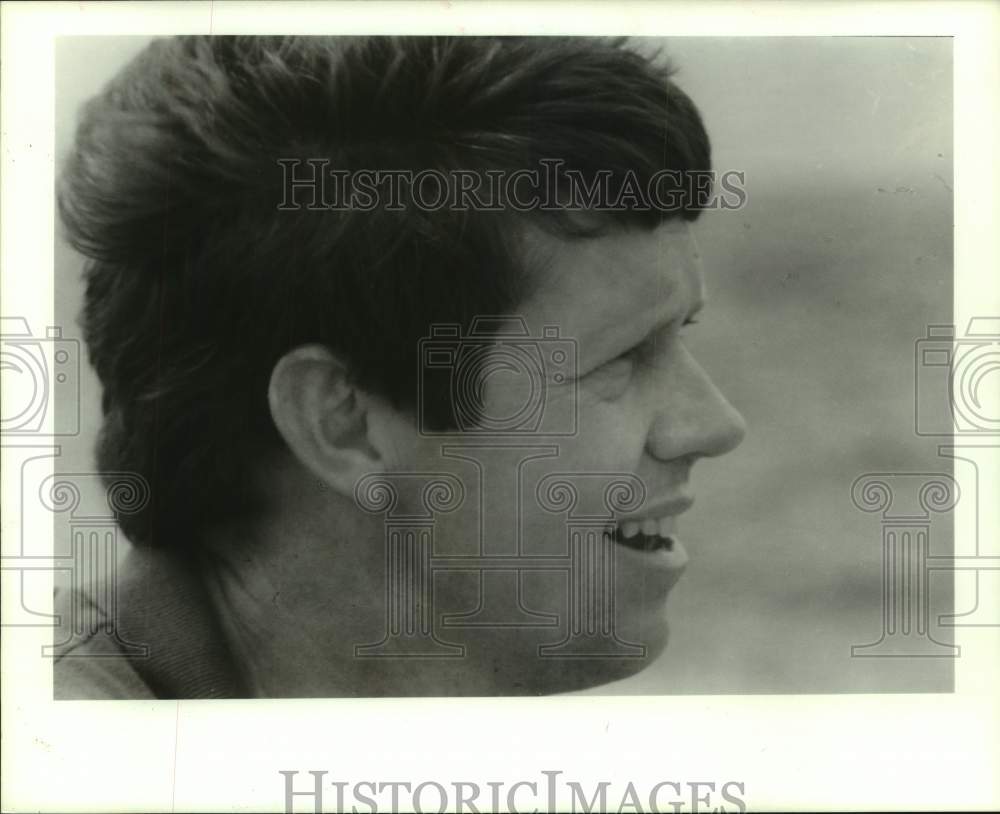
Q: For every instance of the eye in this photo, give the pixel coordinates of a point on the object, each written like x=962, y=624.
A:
x=611, y=379
x=622, y=363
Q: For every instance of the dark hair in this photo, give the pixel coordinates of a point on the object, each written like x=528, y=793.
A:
x=197, y=284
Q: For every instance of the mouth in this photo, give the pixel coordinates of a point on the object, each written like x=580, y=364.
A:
x=656, y=531
x=647, y=535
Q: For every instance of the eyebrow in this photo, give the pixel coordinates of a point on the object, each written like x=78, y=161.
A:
x=696, y=308
x=603, y=344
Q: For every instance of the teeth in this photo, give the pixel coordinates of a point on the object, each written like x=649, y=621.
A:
x=654, y=533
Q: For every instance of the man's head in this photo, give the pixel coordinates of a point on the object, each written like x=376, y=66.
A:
x=260, y=361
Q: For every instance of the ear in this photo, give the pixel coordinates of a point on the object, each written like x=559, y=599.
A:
x=323, y=417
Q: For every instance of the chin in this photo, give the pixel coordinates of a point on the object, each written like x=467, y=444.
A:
x=576, y=674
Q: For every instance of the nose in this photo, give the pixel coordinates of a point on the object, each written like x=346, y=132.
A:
x=693, y=418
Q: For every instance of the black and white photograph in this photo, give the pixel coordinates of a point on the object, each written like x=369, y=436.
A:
x=516, y=368
x=416, y=355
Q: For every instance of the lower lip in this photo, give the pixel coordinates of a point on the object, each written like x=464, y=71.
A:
x=674, y=559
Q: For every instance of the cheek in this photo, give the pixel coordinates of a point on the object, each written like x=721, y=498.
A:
x=612, y=435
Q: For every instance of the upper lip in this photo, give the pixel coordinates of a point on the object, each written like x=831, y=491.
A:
x=663, y=508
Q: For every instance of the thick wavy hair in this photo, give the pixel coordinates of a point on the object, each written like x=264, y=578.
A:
x=197, y=283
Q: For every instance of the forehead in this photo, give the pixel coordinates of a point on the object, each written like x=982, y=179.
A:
x=611, y=290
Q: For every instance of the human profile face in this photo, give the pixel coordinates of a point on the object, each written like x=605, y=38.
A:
x=525, y=601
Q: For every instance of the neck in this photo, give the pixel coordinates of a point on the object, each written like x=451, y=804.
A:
x=302, y=588
x=295, y=598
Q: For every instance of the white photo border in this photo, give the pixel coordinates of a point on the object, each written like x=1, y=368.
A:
x=803, y=752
